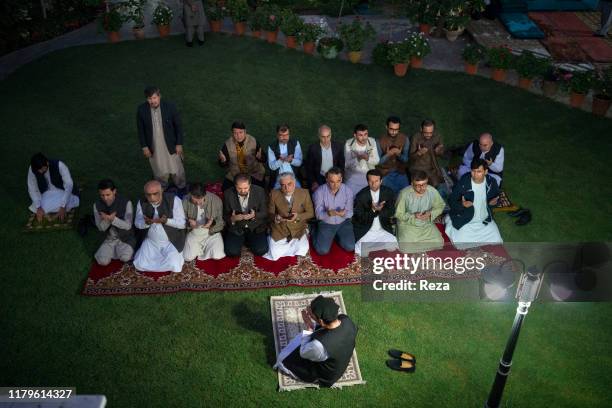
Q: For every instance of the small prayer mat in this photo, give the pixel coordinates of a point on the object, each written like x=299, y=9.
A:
x=287, y=323
x=50, y=222
x=504, y=204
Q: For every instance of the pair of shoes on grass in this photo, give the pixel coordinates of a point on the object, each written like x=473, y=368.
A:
x=523, y=215
x=402, y=361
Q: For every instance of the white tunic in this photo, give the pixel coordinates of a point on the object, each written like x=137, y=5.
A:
x=157, y=254
x=497, y=166
x=280, y=248
x=377, y=238
x=475, y=231
x=356, y=168
x=54, y=198
x=201, y=244
x=312, y=350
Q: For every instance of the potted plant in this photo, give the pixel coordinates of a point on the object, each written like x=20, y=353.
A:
x=423, y=13
x=162, y=17
x=398, y=54
x=134, y=12
x=472, y=54
x=308, y=36
x=271, y=22
x=419, y=47
x=529, y=67
x=239, y=12
x=380, y=54
x=215, y=13
x=329, y=47
x=255, y=22
x=454, y=24
x=111, y=21
x=603, y=92
x=291, y=25
x=578, y=83
x=500, y=59
x=550, y=80
x=355, y=36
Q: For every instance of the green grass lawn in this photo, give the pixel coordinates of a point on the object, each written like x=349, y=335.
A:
x=215, y=349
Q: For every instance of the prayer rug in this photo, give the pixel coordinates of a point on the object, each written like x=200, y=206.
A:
x=287, y=323
x=504, y=204
x=51, y=223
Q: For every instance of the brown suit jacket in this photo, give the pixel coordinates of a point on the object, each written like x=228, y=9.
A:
x=302, y=205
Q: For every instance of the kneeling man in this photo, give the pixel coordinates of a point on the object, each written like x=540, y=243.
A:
x=321, y=353
x=470, y=218
x=289, y=211
x=204, y=213
x=373, y=208
x=161, y=217
x=114, y=215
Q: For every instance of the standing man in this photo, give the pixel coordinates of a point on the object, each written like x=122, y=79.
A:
x=492, y=153
x=321, y=157
x=289, y=211
x=161, y=217
x=193, y=13
x=245, y=209
x=605, y=6
x=393, y=148
x=241, y=153
x=425, y=148
x=333, y=208
x=161, y=138
x=373, y=208
x=114, y=214
x=284, y=156
x=50, y=187
x=204, y=213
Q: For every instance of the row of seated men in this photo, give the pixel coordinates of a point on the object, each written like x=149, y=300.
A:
x=202, y=226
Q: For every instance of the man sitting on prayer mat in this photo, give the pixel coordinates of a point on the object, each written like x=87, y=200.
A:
x=333, y=203
x=289, y=211
x=114, y=214
x=204, y=213
x=245, y=208
x=162, y=218
x=50, y=187
x=322, y=352
x=485, y=148
x=372, y=211
x=393, y=149
x=241, y=153
x=417, y=207
x=425, y=148
x=360, y=155
x=470, y=219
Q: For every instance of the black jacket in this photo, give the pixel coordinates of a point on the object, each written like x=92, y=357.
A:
x=173, y=130
x=312, y=163
x=363, y=216
x=258, y=201
x=461, y=215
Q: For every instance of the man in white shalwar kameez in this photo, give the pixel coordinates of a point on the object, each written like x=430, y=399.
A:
x=50, y=187
x=360, y=155
x=204, y=213
x=161, y=215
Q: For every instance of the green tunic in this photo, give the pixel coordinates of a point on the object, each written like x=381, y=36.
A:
x=412, y=230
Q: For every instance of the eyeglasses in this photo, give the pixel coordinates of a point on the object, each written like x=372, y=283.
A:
x=420, y=184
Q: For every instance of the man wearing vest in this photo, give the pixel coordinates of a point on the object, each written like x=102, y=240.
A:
x=161, y=217
x=425, y=148
x=161, y=137
x=114, y=215
x=323, y=351
x=486, y=149
x=241, y=153
x=284, y=156
x=393, y=149
x=321, y=157
x=50, y=187
x=245, y=208
x=204, y=213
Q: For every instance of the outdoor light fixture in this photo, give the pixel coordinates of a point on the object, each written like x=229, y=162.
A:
x=497, y=281
x=527, y=291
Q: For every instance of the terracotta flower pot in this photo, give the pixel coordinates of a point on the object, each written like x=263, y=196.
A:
x=400, y=69
x=471, y=69
x=601, y=104
x=498, y=74
x=291, y=42
x=271, y=36
x=424, y=28
x=416, y=62
x=549, y=88
x=256, y=33
x=309, y=47
x=164, y=30
x=113, y=36
x=525, y=83
x=354, y=56
x=139, y=33
x=215, y=26
x=576, y=99
x=239, y=28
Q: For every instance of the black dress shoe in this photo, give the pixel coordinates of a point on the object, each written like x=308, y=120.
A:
x=189, y=44
x=200, y=42
x=402, y=355
x=401, y=365
x=524, y=219
x=518, y=212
